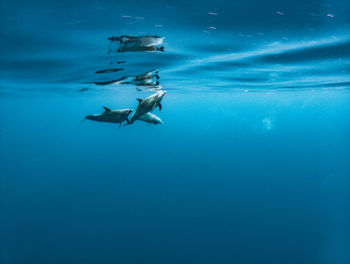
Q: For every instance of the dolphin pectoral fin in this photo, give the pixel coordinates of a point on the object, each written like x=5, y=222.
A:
x=127, y=122
x=160, y=106
x=140, y=100
x=106, y=109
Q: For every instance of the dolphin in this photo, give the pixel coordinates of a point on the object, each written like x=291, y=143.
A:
x=151, y=119
x=147, y=105
x=111, y=116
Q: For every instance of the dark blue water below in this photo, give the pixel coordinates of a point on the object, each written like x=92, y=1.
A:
x=251, y=165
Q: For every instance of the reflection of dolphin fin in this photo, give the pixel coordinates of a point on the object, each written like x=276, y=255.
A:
x=160, y=106
x=140, y=100
x=106, y=109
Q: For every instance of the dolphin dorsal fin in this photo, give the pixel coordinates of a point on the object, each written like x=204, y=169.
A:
x=106, y=109
x=140, y=100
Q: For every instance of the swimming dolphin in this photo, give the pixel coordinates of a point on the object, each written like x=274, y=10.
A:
x=147, y=105
x=111, y=116
x=151, y=119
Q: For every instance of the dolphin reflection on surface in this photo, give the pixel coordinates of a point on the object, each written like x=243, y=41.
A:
x=144, y=80
x=142, y=43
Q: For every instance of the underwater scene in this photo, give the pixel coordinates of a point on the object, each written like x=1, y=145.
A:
x=168, y=132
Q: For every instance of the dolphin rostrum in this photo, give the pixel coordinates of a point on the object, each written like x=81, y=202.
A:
x=111, y=116
x=148, y=105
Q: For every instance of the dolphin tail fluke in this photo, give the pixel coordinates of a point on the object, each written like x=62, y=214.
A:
x=161, y=48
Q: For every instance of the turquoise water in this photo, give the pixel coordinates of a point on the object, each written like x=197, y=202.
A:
x=252, y=162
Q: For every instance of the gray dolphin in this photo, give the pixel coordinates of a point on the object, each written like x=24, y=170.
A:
x=111, y=116
x=151, y=119
x=148, y=105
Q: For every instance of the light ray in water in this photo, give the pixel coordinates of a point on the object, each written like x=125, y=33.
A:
x=273, y=48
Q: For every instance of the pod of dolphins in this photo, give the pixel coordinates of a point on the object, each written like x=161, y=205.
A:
x=146, y=106
x=142, y=113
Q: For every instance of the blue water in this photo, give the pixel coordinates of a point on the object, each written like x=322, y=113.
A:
x=251, y=165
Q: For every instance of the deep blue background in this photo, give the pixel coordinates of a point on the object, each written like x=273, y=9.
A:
x=252, y=164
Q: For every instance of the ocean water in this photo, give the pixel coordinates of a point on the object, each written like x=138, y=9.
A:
x=251, y=165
